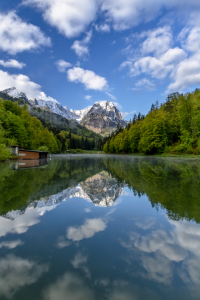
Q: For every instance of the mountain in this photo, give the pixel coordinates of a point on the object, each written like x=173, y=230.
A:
x=54, y=107
x=13, y=92
x=80, y=114
x=103, y=118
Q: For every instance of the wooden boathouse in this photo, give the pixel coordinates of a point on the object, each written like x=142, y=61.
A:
x=32, y=154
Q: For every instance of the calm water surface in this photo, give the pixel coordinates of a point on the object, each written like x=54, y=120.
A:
x=100, y=228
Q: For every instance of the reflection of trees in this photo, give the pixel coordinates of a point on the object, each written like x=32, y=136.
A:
x=170, y=183
x=17, y=188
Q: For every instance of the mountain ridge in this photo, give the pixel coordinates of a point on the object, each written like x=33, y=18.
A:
x=102, y=117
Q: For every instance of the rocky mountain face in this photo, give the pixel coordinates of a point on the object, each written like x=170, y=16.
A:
x=13, y=92
x=102, y=118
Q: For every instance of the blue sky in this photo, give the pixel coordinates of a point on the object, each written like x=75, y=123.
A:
x=131, y=52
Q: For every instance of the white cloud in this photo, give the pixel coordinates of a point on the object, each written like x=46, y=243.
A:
x=88, y=78
x=18, y=36
x=124, y=14
x=102, y=27
x=111, y=96
x=158, y=41
x=16, y=272
x=87, y=230
x=157, y=66
x=69, y=286
x=62, y=65
x=117, y=104
x=186, y=74
x=81, y=47
x=125, y=114
x=144, y=84
x=72, y=17
x=12, y=63
x=23, y=84
x=69, y=17
x=88, y=97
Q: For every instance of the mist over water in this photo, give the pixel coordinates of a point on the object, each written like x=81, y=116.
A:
x=100, y=227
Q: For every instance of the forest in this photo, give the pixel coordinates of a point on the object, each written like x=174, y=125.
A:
x=18, y=127
x=172, y=127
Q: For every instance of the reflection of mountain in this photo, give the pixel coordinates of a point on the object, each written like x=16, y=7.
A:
x=101, y=189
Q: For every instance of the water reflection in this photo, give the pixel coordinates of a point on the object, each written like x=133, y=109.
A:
x=24, y=164
x=16, y=272
x=101, y=228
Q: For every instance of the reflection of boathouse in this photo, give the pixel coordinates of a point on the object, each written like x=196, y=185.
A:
x=25, y=164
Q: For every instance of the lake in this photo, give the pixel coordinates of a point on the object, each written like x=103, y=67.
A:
x=98, y=227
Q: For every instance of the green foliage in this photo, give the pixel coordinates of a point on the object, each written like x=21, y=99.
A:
x=43, y=148
x=173, y=127
x=20, y=128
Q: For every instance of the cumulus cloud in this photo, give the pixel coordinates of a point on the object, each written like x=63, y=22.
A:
x=144, y=84
x=102, y=27
x=62, y=65
x=87, y=230
x=88, y=97
x=69, y=17
x=187, y=74
x=158, y=41
x=72, y=17
x=81, y=47
x=12, y=63
x=23, y=84
x=87, y=77
x=69, y=286
x=18, y=36
x=124, y=14
x=16, y=272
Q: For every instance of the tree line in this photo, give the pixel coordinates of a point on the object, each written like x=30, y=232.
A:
x=172, y=127
x=17, y=127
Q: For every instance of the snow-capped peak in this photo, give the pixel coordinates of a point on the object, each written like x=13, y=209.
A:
x=13, y=92
x=105, y=104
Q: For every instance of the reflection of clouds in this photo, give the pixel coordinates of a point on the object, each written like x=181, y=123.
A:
x=62, y=243
x=160, y=249
x=22, y=223
x=16, y=272
x=158, y=268
x=11, y=244
x=87, y=210
x=79, y=262
x=102, y=282
x=146, y=223
x=87, y=230
x=69, y=287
